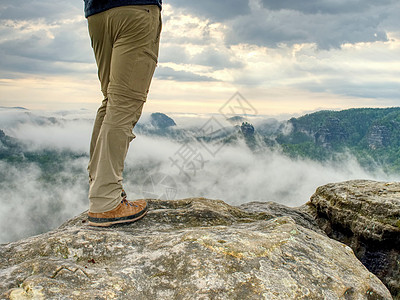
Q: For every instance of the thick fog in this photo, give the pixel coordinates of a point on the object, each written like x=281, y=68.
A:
x=32, y=201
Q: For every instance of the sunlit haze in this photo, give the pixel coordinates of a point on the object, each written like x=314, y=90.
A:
x=285, y=58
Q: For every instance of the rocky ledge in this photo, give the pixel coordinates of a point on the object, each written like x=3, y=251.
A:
x=190, y=249
x=365, y=215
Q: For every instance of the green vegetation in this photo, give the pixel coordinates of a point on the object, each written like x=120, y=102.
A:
x=372, y=135
x=51, y=162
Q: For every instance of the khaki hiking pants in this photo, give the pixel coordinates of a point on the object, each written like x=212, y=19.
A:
x=125, y=42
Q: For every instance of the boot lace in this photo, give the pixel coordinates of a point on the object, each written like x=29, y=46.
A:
x=127, y=203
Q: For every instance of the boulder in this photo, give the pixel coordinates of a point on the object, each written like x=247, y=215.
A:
x=188, y=249
x=365, y=215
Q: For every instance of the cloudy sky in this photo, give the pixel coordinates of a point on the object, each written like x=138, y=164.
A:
x=284, y=57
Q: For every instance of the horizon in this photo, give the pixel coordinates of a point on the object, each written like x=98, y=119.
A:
x=281, y=116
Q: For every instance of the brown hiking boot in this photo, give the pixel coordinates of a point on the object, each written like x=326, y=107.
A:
x=125, y=212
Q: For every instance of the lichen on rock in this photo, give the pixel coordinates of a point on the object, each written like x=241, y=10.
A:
x=188, y=249
x=363, y=214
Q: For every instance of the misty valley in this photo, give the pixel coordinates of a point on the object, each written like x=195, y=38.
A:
x=44, y=155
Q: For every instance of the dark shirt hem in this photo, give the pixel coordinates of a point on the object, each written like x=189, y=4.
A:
x=93, y=7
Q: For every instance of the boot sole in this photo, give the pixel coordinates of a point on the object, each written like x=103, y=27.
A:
x=107, y=224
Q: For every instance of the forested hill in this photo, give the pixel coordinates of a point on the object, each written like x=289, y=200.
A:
x=371, y=134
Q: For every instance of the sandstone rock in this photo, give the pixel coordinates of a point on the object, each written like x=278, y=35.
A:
x=162, y=121
x=278, y=210
x=332, y=132
x=187, y=249
x=366, y=216
x=378, y=137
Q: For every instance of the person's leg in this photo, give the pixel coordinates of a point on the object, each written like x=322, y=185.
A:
x=102, y=48
x=101, y=112
x=135, y=33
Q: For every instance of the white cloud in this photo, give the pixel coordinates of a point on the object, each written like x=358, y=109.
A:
x=33, y=200
x=340, y=49
x=236, y=175
x=60, y=130
x=288, y=47
x=32, y=203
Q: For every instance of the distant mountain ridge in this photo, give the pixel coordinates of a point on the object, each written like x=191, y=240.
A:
x=371, y=134
x=375, y=126
x=13, y=107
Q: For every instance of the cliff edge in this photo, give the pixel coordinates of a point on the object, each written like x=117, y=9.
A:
x=189, y=249
x=364, y=215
